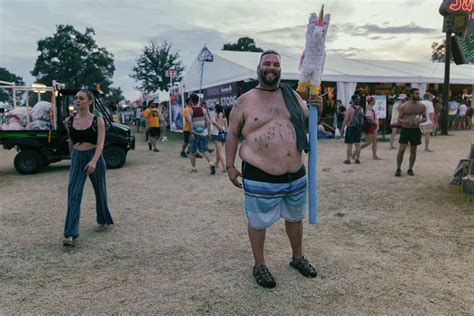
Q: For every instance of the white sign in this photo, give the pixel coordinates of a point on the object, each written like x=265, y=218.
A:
x=380, y=107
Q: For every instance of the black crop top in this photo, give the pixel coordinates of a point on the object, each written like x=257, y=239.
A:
x=88, y=135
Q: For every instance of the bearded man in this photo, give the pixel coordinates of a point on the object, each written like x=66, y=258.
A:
x=411, y=114
x=271, y=118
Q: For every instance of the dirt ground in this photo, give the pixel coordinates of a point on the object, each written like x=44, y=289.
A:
x=383, y=245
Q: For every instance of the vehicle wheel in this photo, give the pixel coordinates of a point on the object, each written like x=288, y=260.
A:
x=114, y=157
x=28, y=161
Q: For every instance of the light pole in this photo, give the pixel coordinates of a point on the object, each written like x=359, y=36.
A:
x=37, y=88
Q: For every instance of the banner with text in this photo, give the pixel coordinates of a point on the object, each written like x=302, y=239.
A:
x=176, y=109
x=224, y=95
x=380, y=107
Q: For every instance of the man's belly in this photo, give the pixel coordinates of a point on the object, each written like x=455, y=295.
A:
x=272, y=148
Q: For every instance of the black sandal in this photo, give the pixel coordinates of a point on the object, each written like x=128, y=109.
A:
x=263, y=277
x=304, y=267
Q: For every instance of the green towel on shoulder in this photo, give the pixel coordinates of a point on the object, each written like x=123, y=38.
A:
x=297, y=117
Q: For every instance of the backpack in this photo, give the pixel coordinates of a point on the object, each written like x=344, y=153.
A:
x=359, y=119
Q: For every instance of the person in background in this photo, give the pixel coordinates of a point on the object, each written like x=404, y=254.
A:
x=322, y=133
x=152, y=120
x=186, y=128
x=146, y=109
x=394, y=124
x=411, y=114
x=200, y=129
x=219, y=134
x=208, y=111
x=341, y=112
x=373, y=128
x=86, y=143
x=462, y=115
x=352, y=131
x=469, y=115
x=438, y=107
x=453, y=107
x=164, y=118
x=427, y=127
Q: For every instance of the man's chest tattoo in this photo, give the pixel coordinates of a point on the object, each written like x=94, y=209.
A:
x=275, y=132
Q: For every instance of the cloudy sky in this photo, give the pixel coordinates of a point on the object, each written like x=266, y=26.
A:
x=371, y=29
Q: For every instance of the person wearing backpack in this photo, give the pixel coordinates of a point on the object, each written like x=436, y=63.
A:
x=372, y=128
x=199, y=122
x=352, y=130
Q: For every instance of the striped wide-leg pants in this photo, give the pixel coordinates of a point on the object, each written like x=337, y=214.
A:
x=77, y=179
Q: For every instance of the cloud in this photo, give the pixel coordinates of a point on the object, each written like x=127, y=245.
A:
x=370, y=29
x=124, y=27
x=382, y=38
x=346, y=52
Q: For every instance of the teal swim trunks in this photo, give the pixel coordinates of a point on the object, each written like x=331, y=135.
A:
x=269, y=198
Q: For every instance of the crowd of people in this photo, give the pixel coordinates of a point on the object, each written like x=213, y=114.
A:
x=414, y=117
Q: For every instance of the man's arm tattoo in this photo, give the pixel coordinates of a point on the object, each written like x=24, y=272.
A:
x=239, y=127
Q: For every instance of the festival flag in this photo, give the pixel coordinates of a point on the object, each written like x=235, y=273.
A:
x=205, y=55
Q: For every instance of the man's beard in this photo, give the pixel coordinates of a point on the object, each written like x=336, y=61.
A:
x=415, y=98
x=268, y=81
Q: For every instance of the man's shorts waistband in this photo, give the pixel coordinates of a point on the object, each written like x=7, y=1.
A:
x=250, y=172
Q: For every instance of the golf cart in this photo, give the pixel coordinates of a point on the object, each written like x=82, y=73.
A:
x=39, y=135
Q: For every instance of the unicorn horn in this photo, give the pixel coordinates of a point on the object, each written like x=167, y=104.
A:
x=321, y=16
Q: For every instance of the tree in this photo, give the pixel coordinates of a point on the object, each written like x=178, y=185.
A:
x=6, y=75
x=151, y=67
x=73, y=58
x=114, y=96
x=244, y=44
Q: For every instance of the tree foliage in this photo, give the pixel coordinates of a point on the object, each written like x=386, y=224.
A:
x=115, y=95
x=244, y=44
x=73, y=58
x=152, y=64
x=6, y=75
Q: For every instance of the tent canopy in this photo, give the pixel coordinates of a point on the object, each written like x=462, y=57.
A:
x=232, y=66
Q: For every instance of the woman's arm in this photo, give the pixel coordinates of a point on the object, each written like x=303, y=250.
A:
x=90, y=167
x=214, y=121
x=347, y=120
x=70, y=144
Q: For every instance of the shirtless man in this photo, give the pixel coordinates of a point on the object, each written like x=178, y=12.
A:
x=273, y=174
x=411, y=114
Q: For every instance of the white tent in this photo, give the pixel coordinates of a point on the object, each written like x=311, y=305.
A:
x=231, y=66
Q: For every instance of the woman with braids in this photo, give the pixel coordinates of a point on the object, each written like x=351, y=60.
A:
x=86, y=142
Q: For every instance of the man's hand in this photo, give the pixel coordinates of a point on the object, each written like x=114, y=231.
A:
x=316, y=101
x=233, y=174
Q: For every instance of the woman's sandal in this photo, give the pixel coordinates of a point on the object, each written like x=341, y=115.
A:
x=263, y=277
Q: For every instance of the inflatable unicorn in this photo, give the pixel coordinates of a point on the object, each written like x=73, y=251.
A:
x=312, y=60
